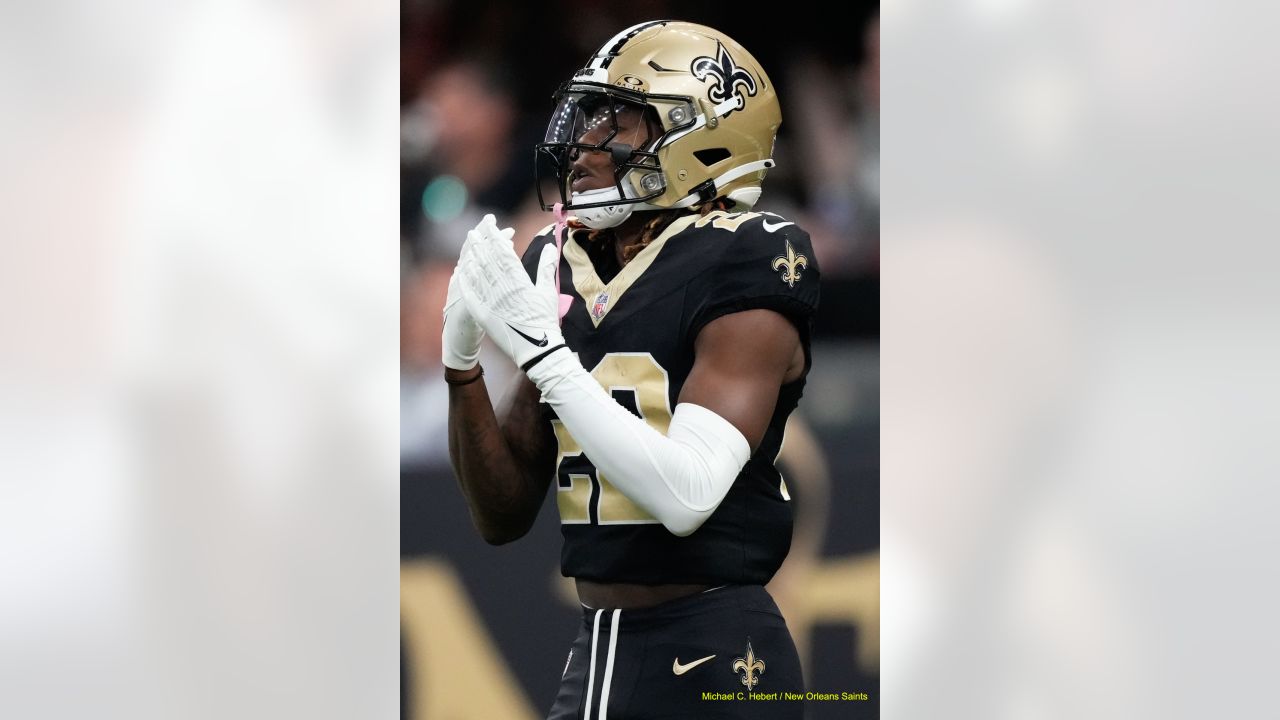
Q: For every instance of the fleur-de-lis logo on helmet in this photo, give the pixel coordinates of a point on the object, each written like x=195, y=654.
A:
x=726, y=77
x=750, y=666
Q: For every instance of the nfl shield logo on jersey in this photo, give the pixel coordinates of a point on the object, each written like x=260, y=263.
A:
x=597, y=309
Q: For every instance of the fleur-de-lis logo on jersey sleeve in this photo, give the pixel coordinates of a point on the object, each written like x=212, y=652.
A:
x=726, y=77
x=790, y=264
x=750, y=666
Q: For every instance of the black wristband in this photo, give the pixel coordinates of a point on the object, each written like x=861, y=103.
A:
x=525, y=367
x=460, y=383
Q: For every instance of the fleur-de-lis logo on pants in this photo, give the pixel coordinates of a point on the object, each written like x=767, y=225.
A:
x=790, y=264
x=749, y=666
x=726, y=76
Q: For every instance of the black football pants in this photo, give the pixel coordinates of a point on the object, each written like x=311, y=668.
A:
x=725, y=653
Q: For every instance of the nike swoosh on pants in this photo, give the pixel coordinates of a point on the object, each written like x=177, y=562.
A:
x=679, y=669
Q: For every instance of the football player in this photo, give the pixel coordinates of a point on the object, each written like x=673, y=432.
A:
x=664, y=331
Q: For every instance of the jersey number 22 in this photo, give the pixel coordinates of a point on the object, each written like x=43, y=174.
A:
x=585, y=496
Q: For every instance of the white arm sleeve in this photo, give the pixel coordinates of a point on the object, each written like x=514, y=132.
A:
x=679, y=478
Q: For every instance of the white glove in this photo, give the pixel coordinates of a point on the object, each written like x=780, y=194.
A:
x=461, y=337
x=519, y=316
x=460, y=341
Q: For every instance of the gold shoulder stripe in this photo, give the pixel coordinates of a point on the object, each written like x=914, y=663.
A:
x=724, y=220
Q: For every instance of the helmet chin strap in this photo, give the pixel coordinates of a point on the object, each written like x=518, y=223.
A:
x=608, y=216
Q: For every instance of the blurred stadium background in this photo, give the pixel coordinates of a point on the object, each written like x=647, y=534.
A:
x=485, y=630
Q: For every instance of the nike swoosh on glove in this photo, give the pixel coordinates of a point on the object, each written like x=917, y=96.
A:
x=520, y=317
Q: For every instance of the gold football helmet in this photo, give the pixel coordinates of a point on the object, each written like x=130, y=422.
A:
x=711, y=108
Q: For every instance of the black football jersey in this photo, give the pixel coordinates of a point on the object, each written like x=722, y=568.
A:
x=635, y=334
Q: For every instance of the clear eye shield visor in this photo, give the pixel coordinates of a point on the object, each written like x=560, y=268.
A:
x=600, y=138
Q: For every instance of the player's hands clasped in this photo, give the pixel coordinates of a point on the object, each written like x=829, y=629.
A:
x=519, y=316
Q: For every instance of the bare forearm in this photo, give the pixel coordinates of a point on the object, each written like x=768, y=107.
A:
x=497, y=464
